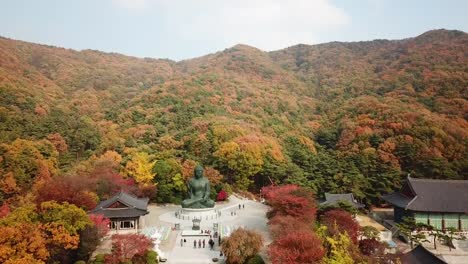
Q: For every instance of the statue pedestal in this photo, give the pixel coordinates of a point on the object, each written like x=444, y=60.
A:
x=202, y=214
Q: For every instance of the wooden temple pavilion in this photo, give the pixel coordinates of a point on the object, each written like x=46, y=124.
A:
x=439, y=203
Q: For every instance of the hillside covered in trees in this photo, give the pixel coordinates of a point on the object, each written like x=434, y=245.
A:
x=335, y=117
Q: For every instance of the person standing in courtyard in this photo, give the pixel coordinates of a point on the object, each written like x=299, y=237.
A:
x=199, y=243
x=203, y=243
x=195, y=243
x=211, y=243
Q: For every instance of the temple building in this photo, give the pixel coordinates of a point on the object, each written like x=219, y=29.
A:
x=125, y=211
x=439, y=203
x=333, y=199
x=420, y=255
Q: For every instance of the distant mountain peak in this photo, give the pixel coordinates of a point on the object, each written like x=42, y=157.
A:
x=243, y=47
x=439, y=34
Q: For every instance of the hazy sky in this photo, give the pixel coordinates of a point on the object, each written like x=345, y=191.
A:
x=180, y=29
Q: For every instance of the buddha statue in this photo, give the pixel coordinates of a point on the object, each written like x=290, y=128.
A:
x=198, y=191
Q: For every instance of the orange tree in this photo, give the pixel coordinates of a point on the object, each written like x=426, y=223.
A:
x=241, y=245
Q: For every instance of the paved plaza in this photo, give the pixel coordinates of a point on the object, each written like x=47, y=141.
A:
x=251, y=216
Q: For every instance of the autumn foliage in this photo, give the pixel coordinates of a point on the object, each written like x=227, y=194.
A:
x=126, y=246
x=283, y=225
x=101, y=223
x=340, y=221
x=74, y=190
x=241, y=245
x=221, y=196
x=4, y=210
x=23, y=243
x=35, y=235
x=370, y=246
x=297, y=247
x=290, y=200
x=292, y=218
x=78, y=126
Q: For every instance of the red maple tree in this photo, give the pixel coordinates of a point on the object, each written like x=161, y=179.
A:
x=282, y=225
x=297, y=247
x=290, y=200
x=370, y=246
x=222, y=196
x=4, y=210
x=102, y=224
x=126, y=246
x=340, y=221
x=72, y=189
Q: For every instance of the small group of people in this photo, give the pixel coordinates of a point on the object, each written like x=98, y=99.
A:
x=201, y=243
x=241, y=206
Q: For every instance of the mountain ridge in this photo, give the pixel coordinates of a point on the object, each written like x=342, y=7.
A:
x=335, y=117
x=432, y=32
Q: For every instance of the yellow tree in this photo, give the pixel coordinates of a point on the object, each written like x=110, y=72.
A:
x=26, y=160
x=244, y=156
x=242, y=162
x=140, y=168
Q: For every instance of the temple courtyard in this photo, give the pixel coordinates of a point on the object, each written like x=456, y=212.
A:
x=252, y=215
x=169, y=227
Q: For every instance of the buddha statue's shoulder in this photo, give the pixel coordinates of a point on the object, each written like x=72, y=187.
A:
x=205, y=180
x=192, y=180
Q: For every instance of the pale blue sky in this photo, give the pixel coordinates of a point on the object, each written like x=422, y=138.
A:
x=180, y=29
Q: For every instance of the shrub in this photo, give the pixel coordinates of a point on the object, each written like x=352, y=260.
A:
x=228, y=188
x=100, y=258
x=222, y=195
x=152, y=257
x=257, y=259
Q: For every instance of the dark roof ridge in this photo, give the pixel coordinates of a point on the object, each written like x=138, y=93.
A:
x=130, y=194
x=435, y=180
x=421, y=247
x=410, y=202
x=121, y=195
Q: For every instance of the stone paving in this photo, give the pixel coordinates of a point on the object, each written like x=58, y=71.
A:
x=253, y=216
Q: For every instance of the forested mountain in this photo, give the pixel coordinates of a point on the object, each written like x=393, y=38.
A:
x=334, y=117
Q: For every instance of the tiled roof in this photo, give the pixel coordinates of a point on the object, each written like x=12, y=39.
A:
x=333, y=198
x=127, y=199
x=397, y=199
x=433, y=196
x=135, y=206
x=420, y=255
x=121, y=212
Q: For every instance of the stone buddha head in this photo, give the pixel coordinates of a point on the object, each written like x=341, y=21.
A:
x=198, y=172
